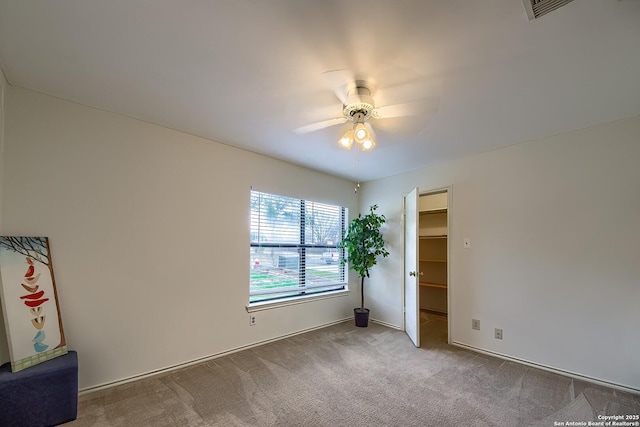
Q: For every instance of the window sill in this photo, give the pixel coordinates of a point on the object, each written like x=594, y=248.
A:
x=268, y=305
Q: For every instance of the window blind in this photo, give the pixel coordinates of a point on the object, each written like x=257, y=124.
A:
x=293, y=249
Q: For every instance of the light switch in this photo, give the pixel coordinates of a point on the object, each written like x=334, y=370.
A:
x=467, y=242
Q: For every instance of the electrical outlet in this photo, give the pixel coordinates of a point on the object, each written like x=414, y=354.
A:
x=252, y=320
x=475, y=324
x=498, y=334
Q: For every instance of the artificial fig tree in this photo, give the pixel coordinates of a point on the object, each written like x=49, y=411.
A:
x=363, y=244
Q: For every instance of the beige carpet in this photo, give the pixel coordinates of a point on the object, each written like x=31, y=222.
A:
x=347, y=376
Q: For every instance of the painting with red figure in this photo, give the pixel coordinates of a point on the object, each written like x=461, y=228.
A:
x=29, y=301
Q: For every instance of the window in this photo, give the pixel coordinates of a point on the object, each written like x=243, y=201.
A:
x=294, y=247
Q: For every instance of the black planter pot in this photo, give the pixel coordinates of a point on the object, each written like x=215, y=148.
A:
x=362, y=317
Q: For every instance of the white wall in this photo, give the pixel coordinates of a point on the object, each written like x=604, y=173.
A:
x=555, y=226
x=4, y=346
x=149, y=234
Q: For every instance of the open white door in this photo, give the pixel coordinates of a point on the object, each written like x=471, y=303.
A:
x=411, y=306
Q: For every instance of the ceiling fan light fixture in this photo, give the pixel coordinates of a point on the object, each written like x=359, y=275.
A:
x=363, y=136
x=368, y=144
x=361, y=133
x=347, y=140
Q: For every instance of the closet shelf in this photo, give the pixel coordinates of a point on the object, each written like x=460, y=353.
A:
x=433, y=285
x=442, y=236
x=433, y=211
x=433, y=260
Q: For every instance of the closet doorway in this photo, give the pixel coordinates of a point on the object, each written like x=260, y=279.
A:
x=427, y=266
x=433, y=251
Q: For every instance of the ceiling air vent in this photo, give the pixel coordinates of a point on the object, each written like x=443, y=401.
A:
x=536, y=8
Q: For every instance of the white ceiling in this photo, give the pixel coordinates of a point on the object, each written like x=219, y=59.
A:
x=247, y=72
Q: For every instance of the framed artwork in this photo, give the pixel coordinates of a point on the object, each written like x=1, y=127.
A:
x=30, y=301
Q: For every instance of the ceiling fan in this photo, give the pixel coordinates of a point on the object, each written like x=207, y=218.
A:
x=358, y=107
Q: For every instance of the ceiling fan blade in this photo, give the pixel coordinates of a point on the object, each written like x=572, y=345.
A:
x=416, y=108
x=320, y=125
x=340, y=81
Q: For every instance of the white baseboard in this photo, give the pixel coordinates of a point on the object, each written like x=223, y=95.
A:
x=621, y=387
x=388, y=325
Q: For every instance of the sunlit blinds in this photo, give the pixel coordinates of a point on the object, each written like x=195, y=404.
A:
x=293, y=247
